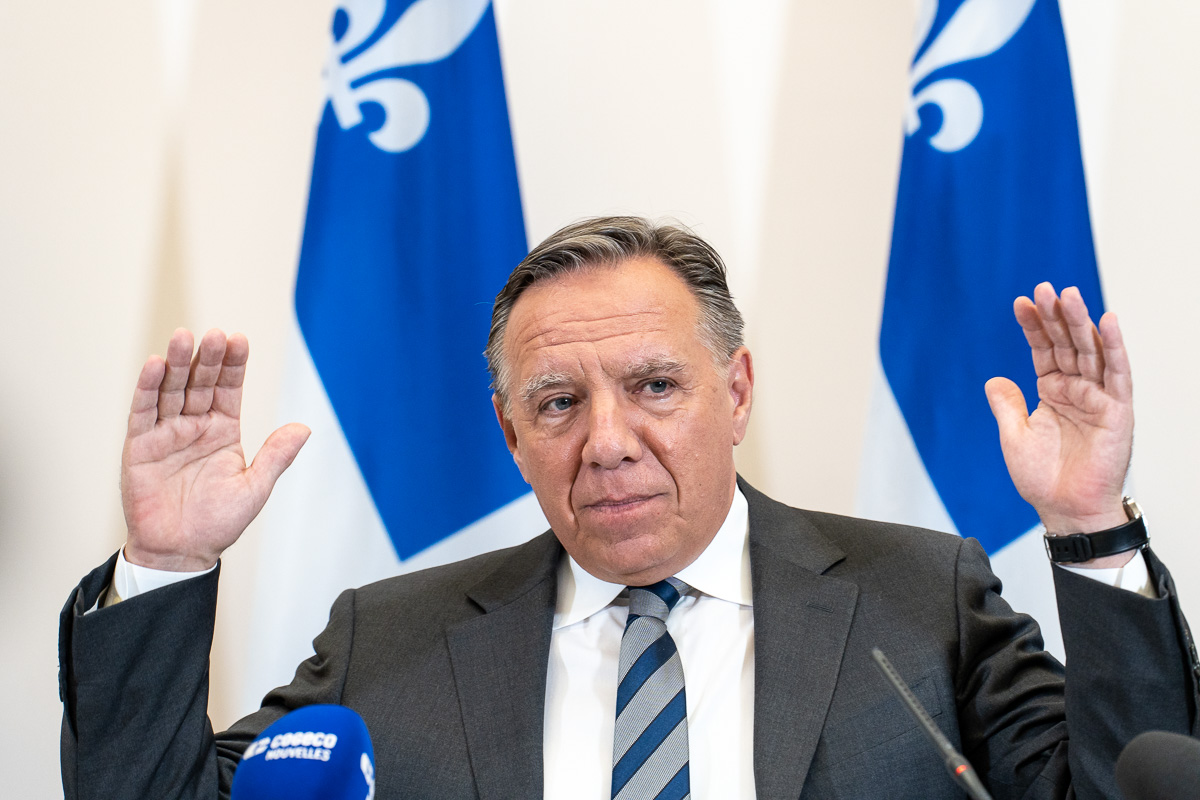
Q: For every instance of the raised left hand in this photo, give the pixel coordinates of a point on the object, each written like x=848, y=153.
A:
x=1068, y=458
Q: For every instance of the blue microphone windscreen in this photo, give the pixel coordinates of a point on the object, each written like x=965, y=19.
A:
x=321, y=751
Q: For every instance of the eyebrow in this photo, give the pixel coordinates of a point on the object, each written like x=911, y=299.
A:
x=654, y=366
x=640, y=371
x=539, y=383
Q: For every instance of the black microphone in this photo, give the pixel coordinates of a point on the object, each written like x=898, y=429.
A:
x=1158, y=765
x=319, y=752
x=958, y=766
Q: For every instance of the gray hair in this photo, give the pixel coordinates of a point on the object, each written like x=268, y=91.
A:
x=609, y=241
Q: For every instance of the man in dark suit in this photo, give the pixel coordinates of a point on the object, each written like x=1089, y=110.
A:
x=622, y=386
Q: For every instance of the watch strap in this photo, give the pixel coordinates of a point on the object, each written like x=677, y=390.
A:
x=1079, y=547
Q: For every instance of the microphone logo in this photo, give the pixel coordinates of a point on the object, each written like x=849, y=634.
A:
x=368, y=772
x=256, y=748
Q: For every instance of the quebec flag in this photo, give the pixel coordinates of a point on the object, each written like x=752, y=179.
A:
x=991, y=202
x=414, y=222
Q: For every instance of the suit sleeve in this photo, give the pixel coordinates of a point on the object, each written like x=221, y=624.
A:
x=1009, y=690
x=1129, y=670
x=134, y=683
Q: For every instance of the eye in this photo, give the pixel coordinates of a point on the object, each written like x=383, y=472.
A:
x=558, y=404
x=658, y=390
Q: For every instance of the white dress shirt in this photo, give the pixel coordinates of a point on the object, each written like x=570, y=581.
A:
x=713, y=627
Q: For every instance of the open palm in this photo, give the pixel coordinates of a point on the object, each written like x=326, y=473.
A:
x=1068, y=458
x=186, y=490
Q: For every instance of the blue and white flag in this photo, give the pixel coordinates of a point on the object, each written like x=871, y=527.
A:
x=414, y=222
x=991, y=202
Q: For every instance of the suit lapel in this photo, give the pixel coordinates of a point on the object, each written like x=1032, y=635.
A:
x=499, y=661
x=801, y=624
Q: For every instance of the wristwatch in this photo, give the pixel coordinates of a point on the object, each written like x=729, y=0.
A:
x=1085, y=546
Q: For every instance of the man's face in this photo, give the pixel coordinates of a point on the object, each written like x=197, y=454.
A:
x=620, y=420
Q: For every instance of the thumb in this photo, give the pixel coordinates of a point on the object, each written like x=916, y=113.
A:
x=1008, y=407
x=277, y=454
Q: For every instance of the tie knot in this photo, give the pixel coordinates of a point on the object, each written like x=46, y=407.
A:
x=657, y=599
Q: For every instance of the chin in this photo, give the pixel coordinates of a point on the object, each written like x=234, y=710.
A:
x=631, y=559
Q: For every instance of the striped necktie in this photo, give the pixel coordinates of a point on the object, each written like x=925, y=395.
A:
x=650, y=743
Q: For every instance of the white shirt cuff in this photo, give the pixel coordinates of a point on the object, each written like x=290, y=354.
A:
x=130, y=580
x=1133, y=577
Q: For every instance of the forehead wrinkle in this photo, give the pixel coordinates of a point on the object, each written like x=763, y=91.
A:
x=552, y=333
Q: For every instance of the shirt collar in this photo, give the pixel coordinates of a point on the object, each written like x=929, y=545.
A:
x=721, y=571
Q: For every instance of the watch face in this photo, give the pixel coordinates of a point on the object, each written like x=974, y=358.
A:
x=1132, y=509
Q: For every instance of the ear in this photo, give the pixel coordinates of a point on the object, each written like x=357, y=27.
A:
x=510, y=433
x=741, y=391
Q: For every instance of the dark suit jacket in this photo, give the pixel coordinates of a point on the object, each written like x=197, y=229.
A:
x=448, y=668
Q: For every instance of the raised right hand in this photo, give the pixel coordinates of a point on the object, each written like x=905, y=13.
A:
x=185, y=487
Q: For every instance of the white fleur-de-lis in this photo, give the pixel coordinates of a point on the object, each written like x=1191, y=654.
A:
x=428, y=31
x=978, y=28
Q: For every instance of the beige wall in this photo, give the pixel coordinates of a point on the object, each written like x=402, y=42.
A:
x=772, y=127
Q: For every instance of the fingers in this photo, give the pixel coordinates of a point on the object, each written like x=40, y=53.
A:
x=1060, y=333
x=276, y=455
x=1118, y=379
x=1008, y=407
x=227, y=394
x=1055, y=326
x=183, y=384
x=179, y=362
x=1084, y=336
x=206, y=366
x=1041, y=348
x=143, y=412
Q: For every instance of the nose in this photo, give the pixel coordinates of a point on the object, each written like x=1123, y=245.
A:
x=612, y=435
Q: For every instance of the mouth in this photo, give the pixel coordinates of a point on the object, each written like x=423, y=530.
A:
x=619, y=504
